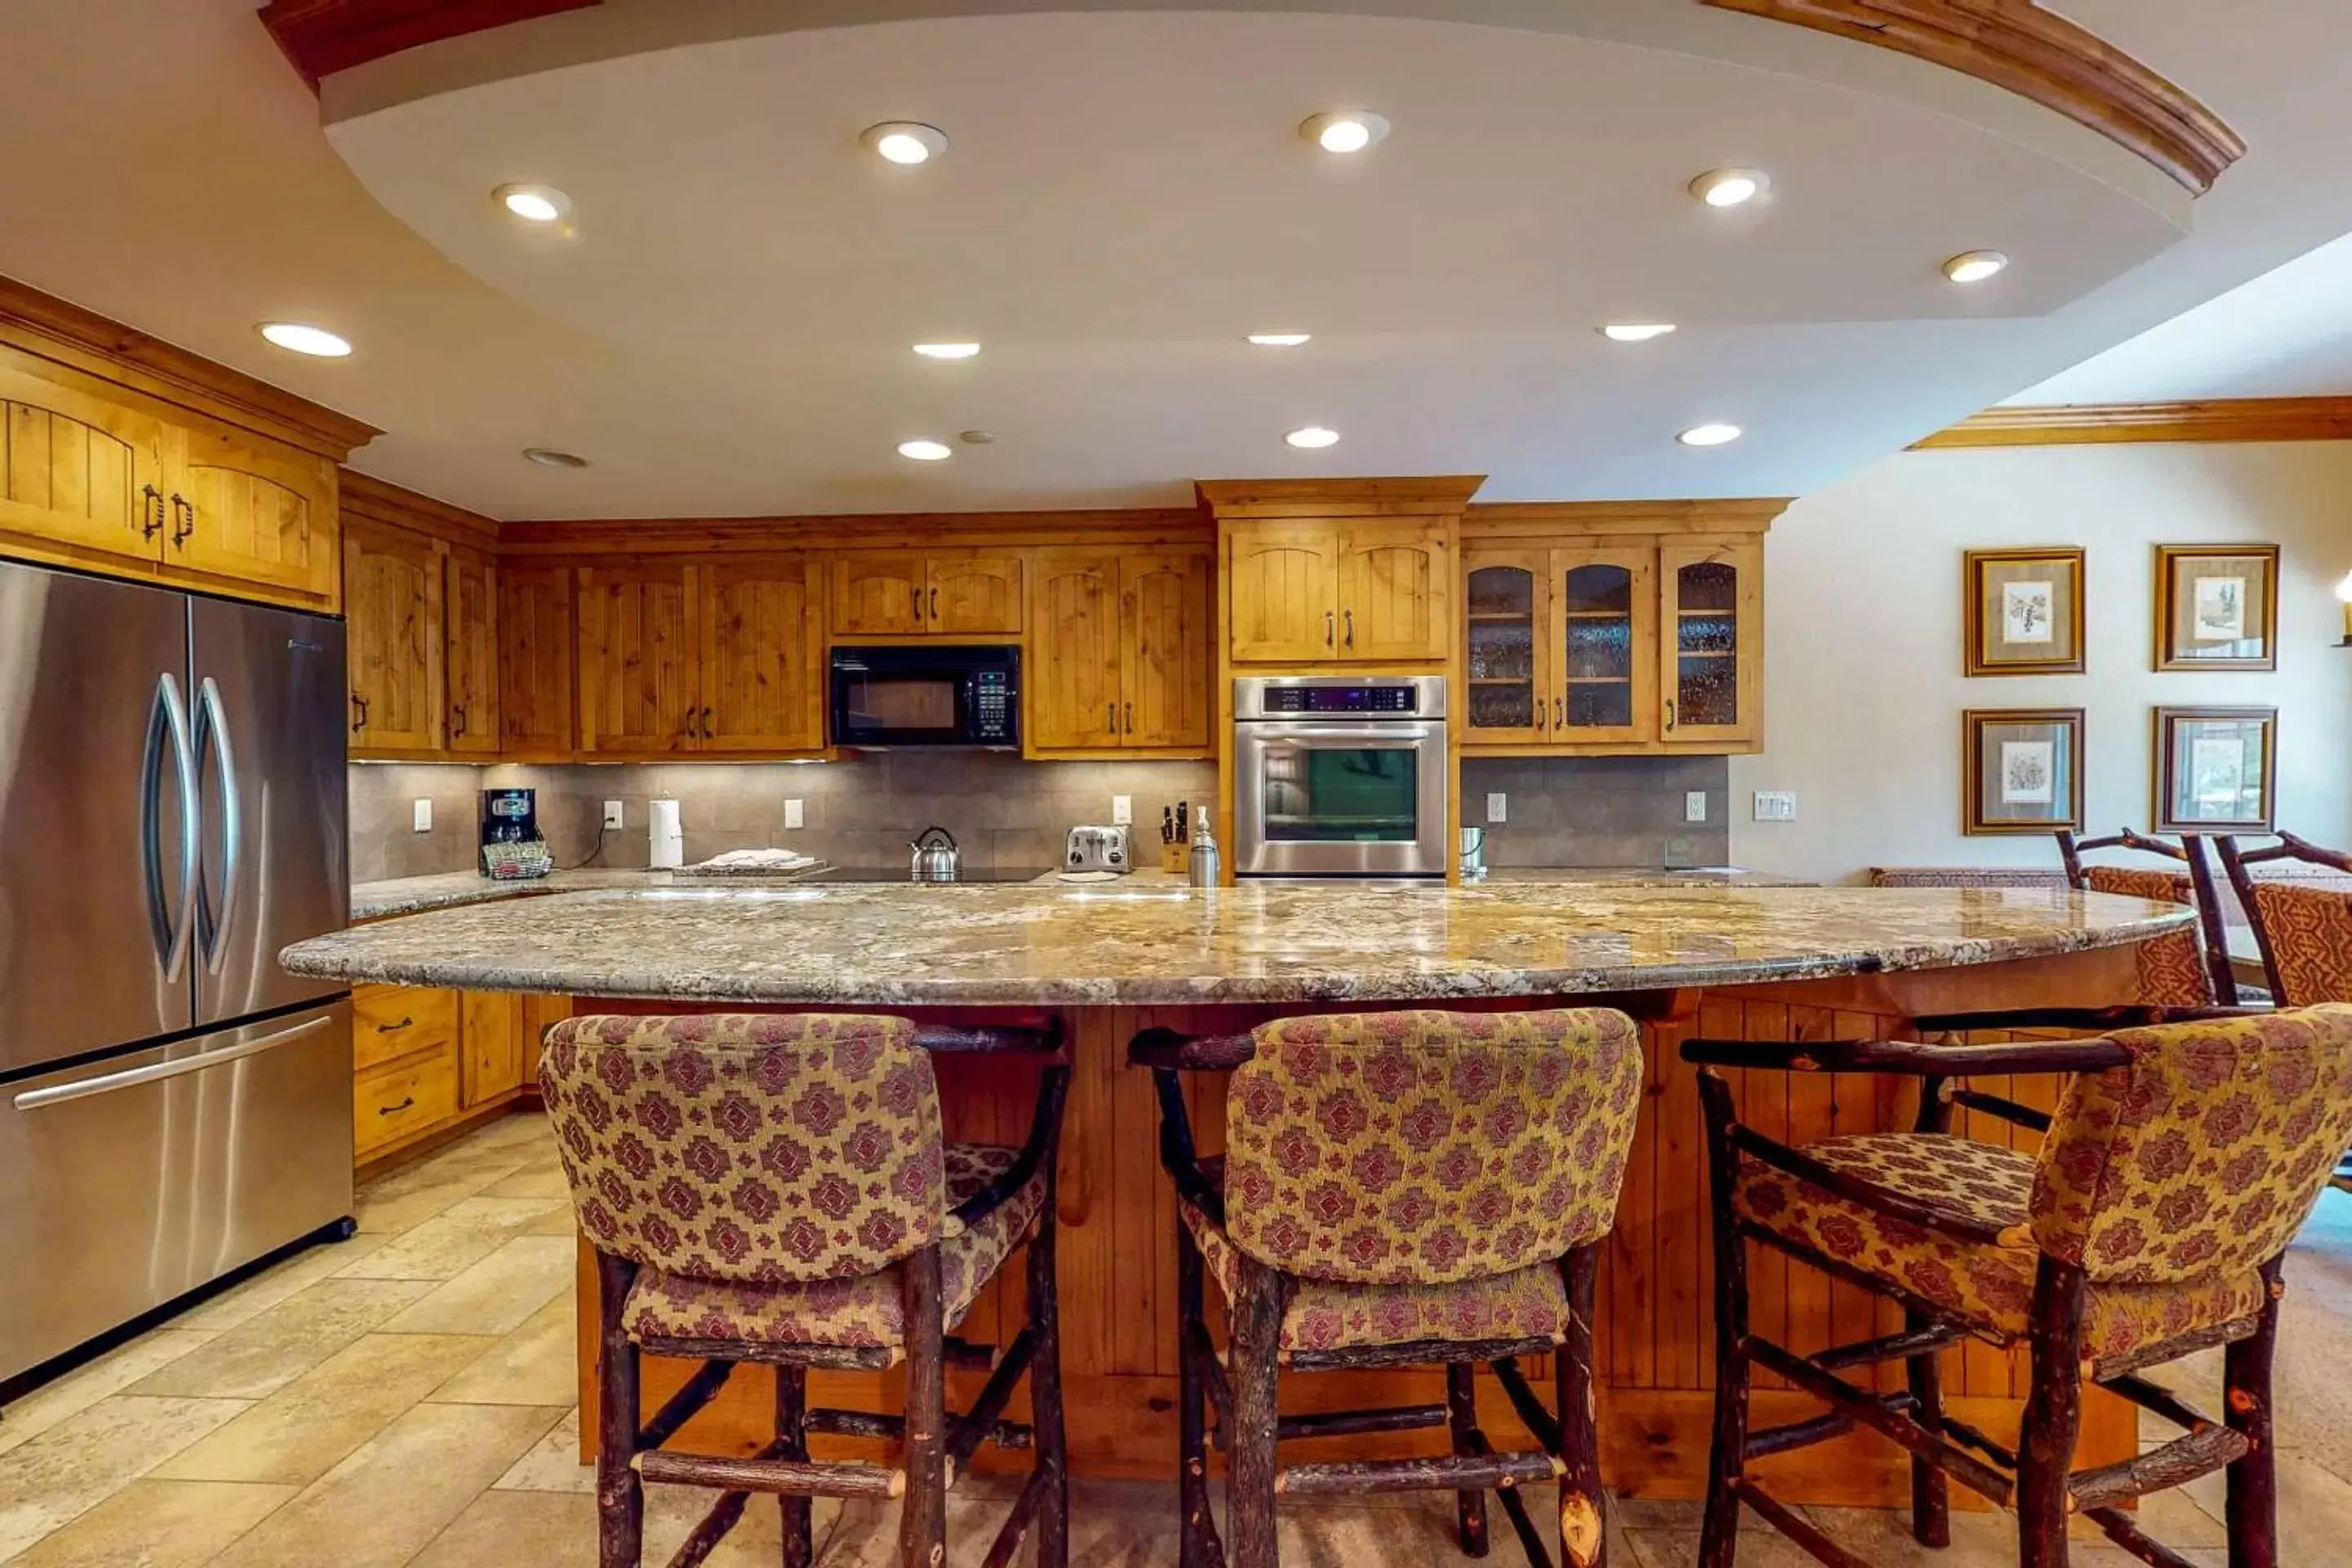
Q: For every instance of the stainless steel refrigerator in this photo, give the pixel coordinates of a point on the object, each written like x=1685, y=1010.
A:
x=172, y=1104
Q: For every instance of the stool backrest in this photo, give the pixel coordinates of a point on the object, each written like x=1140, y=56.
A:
x=749, y=1147
x=2204, y=1155
x=1428, y=1147
x=2307, y=932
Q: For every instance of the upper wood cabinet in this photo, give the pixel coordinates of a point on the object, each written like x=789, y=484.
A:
x=251, y=511
x=638, y=648
x=470, y=600
x=1120, y=651
x=1167, y=628
x=1284, y=592
x=761, y=655
x=1711, y=608
x=1070, y=687
x=78, y=472
x=911, y=593
x=535, y=625
x=1396, y=591
x=1357, y=591
x=393, y=598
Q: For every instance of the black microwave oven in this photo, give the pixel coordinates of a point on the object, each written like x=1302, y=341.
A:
x=919, y=694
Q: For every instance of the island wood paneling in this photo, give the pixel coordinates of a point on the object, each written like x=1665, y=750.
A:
x=1656, y=1320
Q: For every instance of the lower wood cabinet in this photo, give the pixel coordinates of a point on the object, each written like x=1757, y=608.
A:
x=426, y=1060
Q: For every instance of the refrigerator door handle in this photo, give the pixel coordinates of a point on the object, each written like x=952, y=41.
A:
x=132, y=1078
x=168, y=720
x=212, y=730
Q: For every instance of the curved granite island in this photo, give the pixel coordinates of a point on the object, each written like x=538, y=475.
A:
x=1759, y=963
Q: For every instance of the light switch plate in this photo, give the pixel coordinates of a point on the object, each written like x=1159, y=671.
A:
x=422, y=815
x=792, y=814
x=1695, y=806
x=1775, y=806
x=1498, y=808
x=613, y=813
x=1122, y=810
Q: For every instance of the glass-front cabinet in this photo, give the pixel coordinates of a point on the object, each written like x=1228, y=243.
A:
x=1627, y=645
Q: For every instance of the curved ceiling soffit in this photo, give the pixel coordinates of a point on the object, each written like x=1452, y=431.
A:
x=2017, y=46
x=2041, y=55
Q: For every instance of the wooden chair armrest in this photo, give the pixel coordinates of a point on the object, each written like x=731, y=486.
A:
x=956, y=1039
x=2098, y=1020
x=1877, y=1199
x=1165, y=1050
x=1043, y=1148
x=1909, y=1057
x=1177, y=1155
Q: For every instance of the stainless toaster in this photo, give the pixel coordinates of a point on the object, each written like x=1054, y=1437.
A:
x=1098, y=850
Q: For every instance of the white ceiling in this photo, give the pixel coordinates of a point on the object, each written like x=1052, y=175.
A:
x=1124, y=196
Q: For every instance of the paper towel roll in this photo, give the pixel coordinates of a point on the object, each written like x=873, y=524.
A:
x=668, y=839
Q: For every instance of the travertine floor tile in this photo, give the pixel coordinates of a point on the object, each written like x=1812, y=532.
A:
x=555, y=1530
x=273, y=1349
x=536, y=1364
x=498, y=1295
x=88, y=1457
x=454, y=1240
x=158, y=1524
x=384, y=1503
x=243, y=1303
x=554, y=1463
x=301, y=1432
x=536, y=1181
x=78, y=1390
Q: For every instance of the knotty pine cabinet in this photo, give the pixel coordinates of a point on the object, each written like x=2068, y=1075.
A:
x=1119, y=652
x=426, y=1060
x=469, y=599
x=80, y=472
x=915, y=592
x=713, y=659
x=1372, y=591
x=250, y=512
x=395, y=653
x=537, y=661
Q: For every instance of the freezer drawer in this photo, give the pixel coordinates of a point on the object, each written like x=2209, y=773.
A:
x=136, y=1178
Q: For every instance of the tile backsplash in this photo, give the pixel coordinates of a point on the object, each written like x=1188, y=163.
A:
x=1601, y=811
x=385, y=842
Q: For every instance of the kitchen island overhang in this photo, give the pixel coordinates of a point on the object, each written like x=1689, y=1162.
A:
x=1759, y=963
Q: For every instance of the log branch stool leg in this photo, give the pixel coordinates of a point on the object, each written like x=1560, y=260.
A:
x=620, y=1493
x=2053, y=1415
x=1931, y=1502
x=2252, y=1499
x=1726, y=1457
x=1197, y=1545
x=1046, y=1394
x=1462, y=1419
x=791, y=1443
x=923, y=1523
x=1253, y=1354
x=1583, y=1535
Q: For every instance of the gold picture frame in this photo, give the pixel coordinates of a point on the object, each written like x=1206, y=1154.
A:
x=2024, y=771
x=2216, y=606
x=2024, y=611
x=2215, y=770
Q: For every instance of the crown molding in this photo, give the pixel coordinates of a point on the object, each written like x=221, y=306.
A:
x=2020, y=46
x=2210, y=419
x=1441, y=494
x=377, y=500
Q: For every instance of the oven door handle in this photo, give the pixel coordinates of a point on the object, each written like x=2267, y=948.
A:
x=1343, y=734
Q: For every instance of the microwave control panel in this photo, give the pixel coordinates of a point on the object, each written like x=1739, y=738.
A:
x=992, y=707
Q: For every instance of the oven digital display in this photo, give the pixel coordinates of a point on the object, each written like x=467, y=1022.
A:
x=1339, y=700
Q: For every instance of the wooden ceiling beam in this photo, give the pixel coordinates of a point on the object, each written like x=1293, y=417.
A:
x=2205, y=419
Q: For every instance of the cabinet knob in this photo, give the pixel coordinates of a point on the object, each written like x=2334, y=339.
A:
x=458, y=720
x=1110, y=717
x=706, y=732
x=1558, y=714
x=935, y=604
x=1130, y=718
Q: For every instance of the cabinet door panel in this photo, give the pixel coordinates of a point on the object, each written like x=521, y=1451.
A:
x=1072, y=683
x=75, y=470
x=1505, y=627
x=470, y=607
x=391, y=600
x=1711, y=643
x=978, y=596
x=1166, y=622
x=1605, y=634
x=494, y=1037
x=638, y=691
x=759, y=655
x=256, y=515
x=535, y=625
x=1284, y=592
x=878, y=593
x=1395, y=584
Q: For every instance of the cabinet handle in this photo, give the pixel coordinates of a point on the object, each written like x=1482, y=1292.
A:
x=184, y=510
x=1110, y=717
x=394, y=1029
x=914, y=598
x=1559, y=713
x=1130, y=718
x=1329, y=621
x=1351, y=628
x=395, y=1110
x=149, y=496
x=705, y=725
x=359, y=712
x=458, y=713
x=690, y=731
x=935, y=605
x=1670, y=712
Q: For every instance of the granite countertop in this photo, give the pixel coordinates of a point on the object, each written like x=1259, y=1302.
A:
x=413, y=895
x=1644, y=877
x=900, y=945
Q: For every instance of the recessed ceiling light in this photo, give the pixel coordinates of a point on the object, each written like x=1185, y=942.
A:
x=947, y=351
x=533, y=204
x=548, y=457
x=926, y=451
x=1312, y=436
x=1344, y=130
x=1975, y=266
x=1279, y=339
x=1709, y=434
x=306, y=339
x=906, y=141
x=1635, y=331
x=1730, y=188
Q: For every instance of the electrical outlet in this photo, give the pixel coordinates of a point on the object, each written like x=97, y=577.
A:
x=424, y=816
x=613, y=813
x=1695, y=806
x=1775, y=806
x=792, y=814
x=1122, y=809
x=1498, y=808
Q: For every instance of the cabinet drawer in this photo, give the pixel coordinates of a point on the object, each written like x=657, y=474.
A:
x=393, y=1021
x=407, y=1096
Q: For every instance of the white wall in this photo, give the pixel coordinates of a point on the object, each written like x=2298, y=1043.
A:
x=1863, y=688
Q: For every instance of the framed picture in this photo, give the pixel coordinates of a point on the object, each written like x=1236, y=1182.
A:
x=2025, y=611
x=2024, y=770
x=2214, y=770
x=2216, y=607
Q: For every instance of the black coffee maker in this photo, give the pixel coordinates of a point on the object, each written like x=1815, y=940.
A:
x=512, y=846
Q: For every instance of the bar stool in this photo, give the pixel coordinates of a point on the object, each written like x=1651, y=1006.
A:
x=1399, y=1189
x=2180, y=1161
x=2190, y=968
x=775, y=1190
x=2303, y=930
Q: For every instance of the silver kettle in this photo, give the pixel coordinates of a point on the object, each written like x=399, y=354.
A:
x=935, y=856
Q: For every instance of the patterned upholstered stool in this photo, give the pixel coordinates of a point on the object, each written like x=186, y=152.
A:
x=2179, y=1162
x=2191, y=968
x=2302, y=927
x=776, y=1190
x=1399, y=1189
